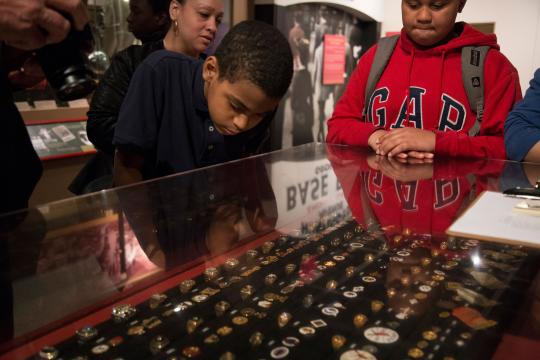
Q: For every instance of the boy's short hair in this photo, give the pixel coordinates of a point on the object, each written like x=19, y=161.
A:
x=161, y=6
x=258, y=52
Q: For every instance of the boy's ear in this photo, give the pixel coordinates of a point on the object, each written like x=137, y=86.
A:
x=162, y=19
x=210, y=68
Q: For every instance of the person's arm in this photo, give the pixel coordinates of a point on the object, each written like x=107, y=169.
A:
x=522, y=128
x=502, y=91
x=107, y=100
x=534, y=154
x=347, y=125
x=138, y=123
x=31, y=24
x=128, y=167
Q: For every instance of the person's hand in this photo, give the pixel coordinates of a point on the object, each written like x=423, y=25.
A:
x=374, y=140
x=405, y=140
x=31, y=24
x=402, y=169
x=418, y=157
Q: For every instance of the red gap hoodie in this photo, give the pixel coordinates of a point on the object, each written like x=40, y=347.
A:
x=431, y=80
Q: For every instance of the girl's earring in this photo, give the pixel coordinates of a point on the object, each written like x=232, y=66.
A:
x=175, y=27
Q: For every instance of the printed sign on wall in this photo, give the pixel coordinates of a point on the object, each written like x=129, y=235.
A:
x=334, y=59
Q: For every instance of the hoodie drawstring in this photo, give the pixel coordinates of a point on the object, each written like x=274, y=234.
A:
x=409, y=75
x=441, y=77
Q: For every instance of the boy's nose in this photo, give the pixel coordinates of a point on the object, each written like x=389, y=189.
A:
x=241, y=122
x=424, y=15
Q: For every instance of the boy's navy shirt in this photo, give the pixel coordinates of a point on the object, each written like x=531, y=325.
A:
x=165, y=117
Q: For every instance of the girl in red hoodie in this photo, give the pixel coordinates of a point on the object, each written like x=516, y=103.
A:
x=419, y=107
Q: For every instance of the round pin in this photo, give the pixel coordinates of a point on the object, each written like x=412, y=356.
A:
x=158, y=343
x=330, y=311
x=396, y=259
x=424, y=288
x=270, y=279
x=211, y=339
x=200, y=298
x=136, y=330
x=279, y=353
x=350, y=294
x=357, y=355
x=224, y=330
x=264, y=304
x=401, y=316
x=290, y=341
x=331, y=285
x=415, y=353
x=256, y=339
x=86, y=333
x=115, y=341
x=191, y=351
x=48, y=352
x=381, y=335
x=283, y=319
x=123, y=312
x=329, y=264
x=360, y=320
x=231, y=264
x=248, y=312
x=368, y=279
x=355, y=245
x=239, y=320
x=403, y=253
x=339, y=257
x=156, y=300
x=308, y=300
x=369, y=258
x=100, y=349
x=338, y=341
x=306, y=330
x=429, y=335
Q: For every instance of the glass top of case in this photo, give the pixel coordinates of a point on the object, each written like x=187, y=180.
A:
x=319, y=250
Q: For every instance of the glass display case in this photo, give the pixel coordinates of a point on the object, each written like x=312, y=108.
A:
x=319, y=252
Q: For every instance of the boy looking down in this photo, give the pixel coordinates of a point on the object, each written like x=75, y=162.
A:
x=181, y=113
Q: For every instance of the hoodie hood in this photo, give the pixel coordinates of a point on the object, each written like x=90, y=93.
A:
x=468, y=36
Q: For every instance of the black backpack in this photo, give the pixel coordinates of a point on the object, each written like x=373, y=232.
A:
x=472, y=68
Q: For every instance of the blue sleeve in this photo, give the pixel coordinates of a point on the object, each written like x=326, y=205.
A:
x=139, y=117
x=522, y=127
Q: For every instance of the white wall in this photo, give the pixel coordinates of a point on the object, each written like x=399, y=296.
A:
x=517, y=25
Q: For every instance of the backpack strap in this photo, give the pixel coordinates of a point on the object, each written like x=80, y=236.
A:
x=385, y=48
x=472, y=69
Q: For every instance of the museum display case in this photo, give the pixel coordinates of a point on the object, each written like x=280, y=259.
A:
x=315, y=252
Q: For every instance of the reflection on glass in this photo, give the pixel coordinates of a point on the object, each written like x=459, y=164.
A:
x=300, y=242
